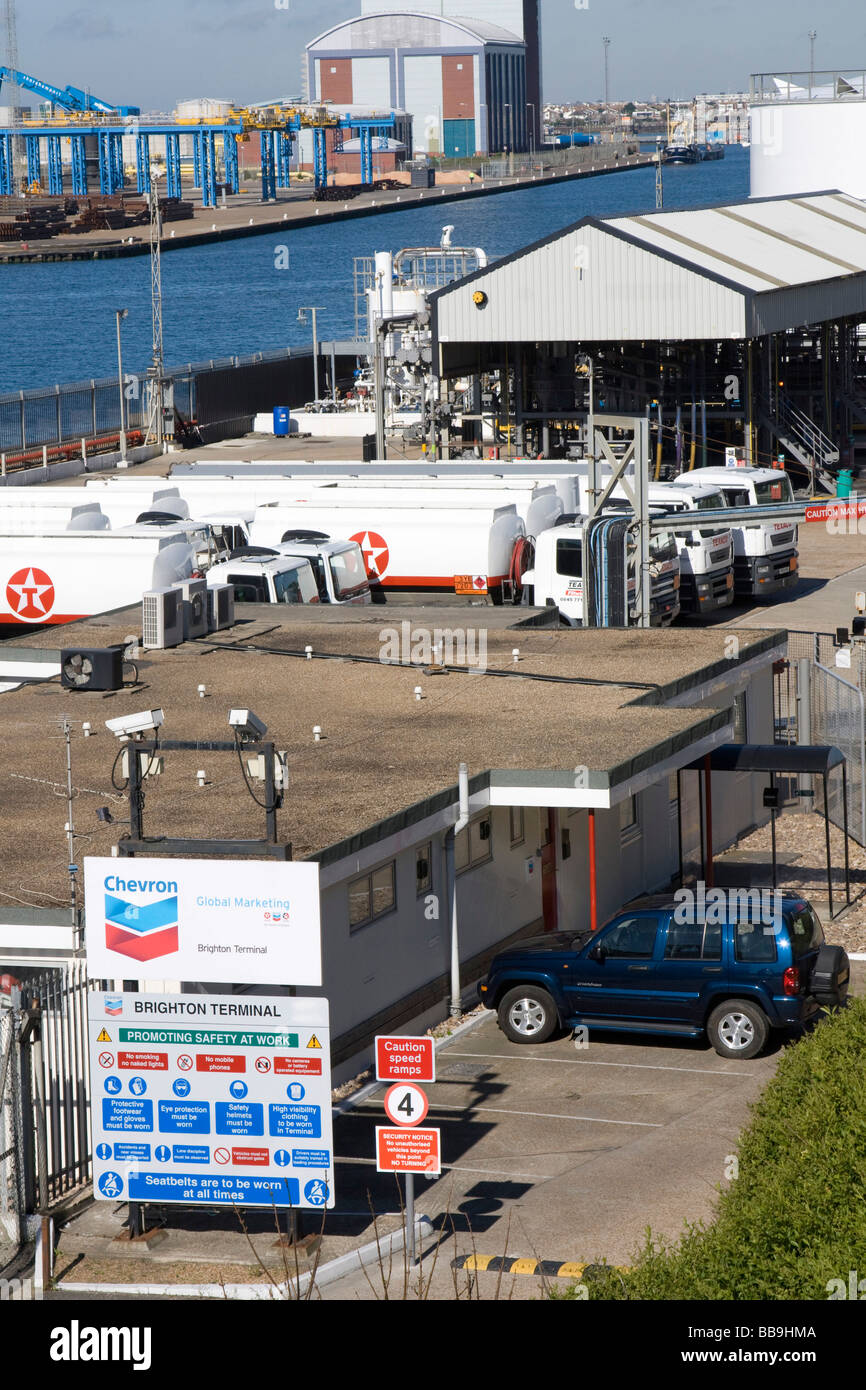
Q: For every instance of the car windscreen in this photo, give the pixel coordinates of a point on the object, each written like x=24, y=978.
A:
x=774, y=490
x=287, y=586
x=348, y=572
x=712, y=503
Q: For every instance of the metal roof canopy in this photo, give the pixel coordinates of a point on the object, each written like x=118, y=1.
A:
x=775, y=758
x=739, y=271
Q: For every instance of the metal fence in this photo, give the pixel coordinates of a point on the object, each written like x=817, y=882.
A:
x=78, y=410
x=837, y=716
x=12, y=1202
x=64, y=1082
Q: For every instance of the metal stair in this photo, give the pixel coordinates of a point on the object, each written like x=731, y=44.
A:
x=802, y=438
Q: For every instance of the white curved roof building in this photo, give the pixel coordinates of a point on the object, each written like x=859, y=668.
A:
x=464, y=80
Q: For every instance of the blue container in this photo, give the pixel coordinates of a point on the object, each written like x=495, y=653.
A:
x=843, y=482
x=281, y=420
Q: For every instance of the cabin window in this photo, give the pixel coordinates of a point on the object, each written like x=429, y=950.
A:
x=424, y=868
x=372, y=896
x=474, y=845
x=569, y=558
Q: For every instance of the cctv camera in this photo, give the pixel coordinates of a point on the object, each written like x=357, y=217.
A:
x=127, y=725
x=247, y=725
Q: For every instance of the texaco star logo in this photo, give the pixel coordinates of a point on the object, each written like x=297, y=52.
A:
x=374, y=548
x=30, y=595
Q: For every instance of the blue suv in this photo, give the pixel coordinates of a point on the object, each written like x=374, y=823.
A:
x=645, y=971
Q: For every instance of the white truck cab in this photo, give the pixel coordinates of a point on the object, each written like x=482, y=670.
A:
x=706, y=553
x=765, y=552
x=260, y=575
x=557, y=576
x=338, y=566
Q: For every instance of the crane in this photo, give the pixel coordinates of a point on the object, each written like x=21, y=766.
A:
x=70, y=98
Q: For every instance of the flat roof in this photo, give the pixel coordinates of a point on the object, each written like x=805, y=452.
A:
x=386, y=759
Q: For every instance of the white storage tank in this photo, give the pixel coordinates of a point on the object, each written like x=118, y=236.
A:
x=807, y=134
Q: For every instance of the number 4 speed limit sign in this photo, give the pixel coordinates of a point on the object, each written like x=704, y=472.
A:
x=406, y=1104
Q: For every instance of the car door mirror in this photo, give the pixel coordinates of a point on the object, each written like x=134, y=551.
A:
x=598, y=951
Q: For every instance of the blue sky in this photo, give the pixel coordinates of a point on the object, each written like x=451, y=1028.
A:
x=152, y=53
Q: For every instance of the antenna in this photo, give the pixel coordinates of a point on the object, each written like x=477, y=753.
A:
x=11, y=85
x=156, y=370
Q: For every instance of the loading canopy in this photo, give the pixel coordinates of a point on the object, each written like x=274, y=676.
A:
x=783, y=760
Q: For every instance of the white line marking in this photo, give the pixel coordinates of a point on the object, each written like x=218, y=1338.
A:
x=566, y=1061
x=452, y=1167
x=549, y=1115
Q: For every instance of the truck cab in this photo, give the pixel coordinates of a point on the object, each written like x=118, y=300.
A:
x=556, y=578
x=338, y=566
x=260, y=575
x=765, y=552
x=706, y=553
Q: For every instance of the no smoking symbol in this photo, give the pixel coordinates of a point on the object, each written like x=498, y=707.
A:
x=184, y=1063
x=106, y=1059
x=263, y=1064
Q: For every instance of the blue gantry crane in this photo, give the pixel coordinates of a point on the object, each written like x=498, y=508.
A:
x=70, y=98
x=77, y=116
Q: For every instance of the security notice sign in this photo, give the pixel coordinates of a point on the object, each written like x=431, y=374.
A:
x=408, y=1151
x=234, y=922
x=211, y=1098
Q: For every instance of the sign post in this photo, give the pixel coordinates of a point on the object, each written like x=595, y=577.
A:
x=407, y=1149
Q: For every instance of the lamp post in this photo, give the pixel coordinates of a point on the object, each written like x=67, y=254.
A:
x=530, y=106
x=121, y=314
x=813, y=34
x=302, y=318
x=506, y=106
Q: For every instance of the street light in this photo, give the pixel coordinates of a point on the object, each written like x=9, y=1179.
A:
x=506, y=106
x=302, y=318
x=530, y=106
x=121, y=314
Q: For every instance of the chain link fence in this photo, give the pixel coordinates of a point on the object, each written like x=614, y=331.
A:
x=837, y=716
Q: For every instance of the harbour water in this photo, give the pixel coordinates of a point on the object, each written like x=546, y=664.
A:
x=57, y=320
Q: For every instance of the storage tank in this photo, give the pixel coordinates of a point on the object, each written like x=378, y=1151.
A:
x=203, y=108
x=806, y=134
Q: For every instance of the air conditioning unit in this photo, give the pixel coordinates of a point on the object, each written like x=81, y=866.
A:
x=91, y=668
x=161, y=618
x=194, y=594
x=220, y=606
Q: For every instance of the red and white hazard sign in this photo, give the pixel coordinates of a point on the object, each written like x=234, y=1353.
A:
x=405, y=1059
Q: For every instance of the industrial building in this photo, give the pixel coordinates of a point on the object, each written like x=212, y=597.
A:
x=737, y=326
x=575, y=805
x=471, y=82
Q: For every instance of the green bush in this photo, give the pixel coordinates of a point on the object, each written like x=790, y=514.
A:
x=795, y=1218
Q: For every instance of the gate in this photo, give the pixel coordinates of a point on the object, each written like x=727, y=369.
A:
x=44, y=1071
x=837, y=716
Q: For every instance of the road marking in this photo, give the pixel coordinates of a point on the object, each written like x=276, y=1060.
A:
x=551, y=1115
x=463, y=1168
x=566, y=1061
x=538, y=1114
